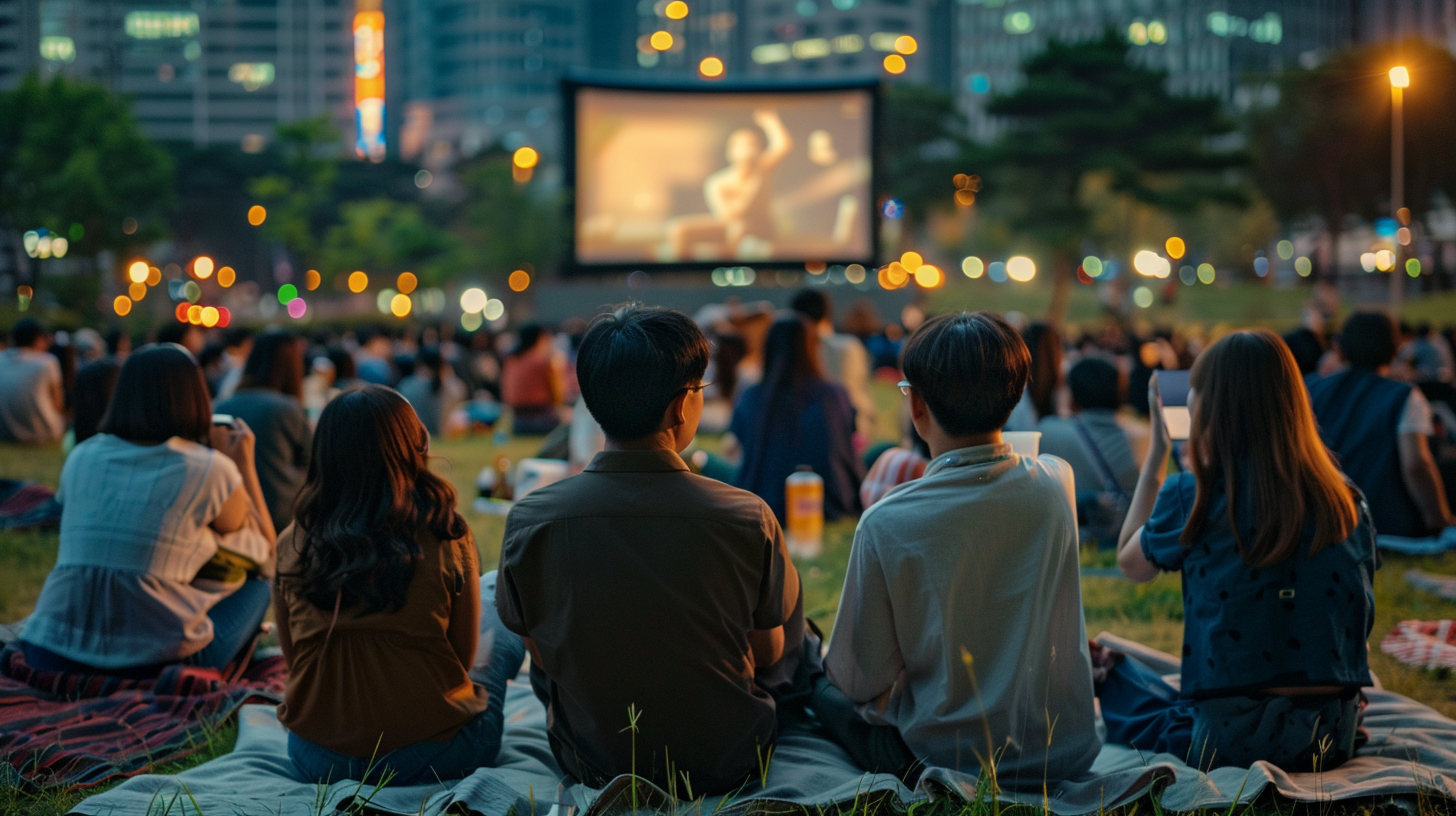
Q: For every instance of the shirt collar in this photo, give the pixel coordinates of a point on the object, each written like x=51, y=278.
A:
x=634, y=461
x=969, y=457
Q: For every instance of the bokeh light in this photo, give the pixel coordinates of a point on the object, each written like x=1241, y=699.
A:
x=519, y=280
x=1303, y=266
x=1150, y=264
x=1142, y=296
x=525, y=157
x=905, y=44
x=257, y=215
x=1261, y=266
x=495, y=308
x=1092, y=265
x=911, y=261
x=973, y=267
x=297, y=308
x=1385, y=260
x=181, y=312
x=929, y=276
x=1285, y=249
x=996, y=271
x=899, y=275
x=210, y=316
x=1175, y=247
x=383, y=300
x=1367, y=261
x=138, y=271
x=424, y=178
x=1020, y=268
x=191, y=292
x=711, y=67
x=122, y=305
x=676, y=10
x=1413, y=267
x=1206, y=272
x=406, y=282
x=224, y=317
x=194, y=315
x=894, y=63
x=1188, y=275
x=400, y=305
x=312, y=279
x=226, y=276
x=202, y=267
x=358, y=282
x=137, y=291
x=286, y=293
x=471, y=321
x=660, y=40
x=472, y=300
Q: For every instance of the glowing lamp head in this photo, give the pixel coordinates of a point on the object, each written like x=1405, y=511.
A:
x=1399, y=77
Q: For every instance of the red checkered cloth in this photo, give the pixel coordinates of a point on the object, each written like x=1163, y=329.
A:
x=1424, y=644
x=70, y=730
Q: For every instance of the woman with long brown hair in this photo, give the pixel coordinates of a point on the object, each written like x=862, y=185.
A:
x=1277, y=555
x=379, y=604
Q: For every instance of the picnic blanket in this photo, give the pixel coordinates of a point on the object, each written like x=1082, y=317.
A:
x=27, y=504
x=1432, y=545
x=1412, y=753
x=1423, y=644
x=64, y=729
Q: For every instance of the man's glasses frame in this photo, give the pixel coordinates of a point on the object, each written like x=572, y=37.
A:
x=904, y=386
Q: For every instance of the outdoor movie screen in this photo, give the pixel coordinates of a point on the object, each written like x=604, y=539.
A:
x=723, y=177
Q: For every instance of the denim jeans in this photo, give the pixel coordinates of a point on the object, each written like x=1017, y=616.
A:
x=475, y=745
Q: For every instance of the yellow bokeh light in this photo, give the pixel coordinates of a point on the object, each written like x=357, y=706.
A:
x=202, y=267
x=138, y=271
x=1020, y=268
x=400, y=305
x=661, y=40
x=519, y=280
x=929, y=277
x=406, y=282
x=905, y=44
x=210, y=316
x=911, y=261
x=257, y=215
x=137, y=291
x=895, y=64
x=1399, y=77
x=154, y=276
x=226, y=276
x=1385, y=260
x=973, y=267
x=358, y=282
x=676, y=10
x=122, y=305
x=1175, y=247
x=897, y=274
x=711, y=67
x=194, y=315
x=525, y=157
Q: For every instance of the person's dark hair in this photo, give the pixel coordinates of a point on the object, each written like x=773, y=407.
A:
x=1045, y=344
x=1095, y=383
x=368, y=497
x=174, y=332
x=527, y=337
x=813, y=304
x=969, y=368
x=1307, y=348
x=790, y=356
x=211, y=353
x=429, y=363
x=235, y=336
x=1368, y=340
x=95, y=383
x=114, y=338
x=344, y=369
x=275, y=363
x=160, y=393
x=26, y=332
x=633, y=362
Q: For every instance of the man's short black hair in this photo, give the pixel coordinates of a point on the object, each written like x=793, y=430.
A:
x=969, y=368
x=1307, y=348
x=633, y=362
x=813, y=304
x=1367, y=340
x=26, y=332
x=1094, y=384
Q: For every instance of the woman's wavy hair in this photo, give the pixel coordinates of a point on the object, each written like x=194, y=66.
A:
x=1254, y=438
x=368, y=496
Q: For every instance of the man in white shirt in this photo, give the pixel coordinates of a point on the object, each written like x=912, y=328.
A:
x=845, y=359
x=960, y=624
x=32, y=401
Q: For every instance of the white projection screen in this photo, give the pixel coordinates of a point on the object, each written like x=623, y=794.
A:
x=684, y=178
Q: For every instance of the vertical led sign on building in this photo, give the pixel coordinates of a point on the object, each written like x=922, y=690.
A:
x=369, y=82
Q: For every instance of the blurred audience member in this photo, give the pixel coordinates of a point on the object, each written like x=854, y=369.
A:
x=1092, y=440
x=148, y=505
x=795, y=417
x=895, y=466
x=532, y=385
x=32, y=397
x=118, y=343
x=1307, y=347
x=845, y=359
x=270, y=399
x=95, y=383
x=1379, y=430
x=237, y=344
x=185, y=335
x=373, y=361
x=1042, y=390
x=433, y=390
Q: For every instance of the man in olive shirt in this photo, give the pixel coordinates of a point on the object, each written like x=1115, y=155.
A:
x=660, y=607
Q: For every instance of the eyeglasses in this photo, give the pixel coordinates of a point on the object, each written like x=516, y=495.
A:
x=904, y=386
x=698, y=387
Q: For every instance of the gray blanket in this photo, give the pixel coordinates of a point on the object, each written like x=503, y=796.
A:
x=1412, y=753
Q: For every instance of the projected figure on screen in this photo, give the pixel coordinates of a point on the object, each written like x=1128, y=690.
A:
x=738, y=222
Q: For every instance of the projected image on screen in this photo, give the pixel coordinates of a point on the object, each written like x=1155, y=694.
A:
x=722, y=177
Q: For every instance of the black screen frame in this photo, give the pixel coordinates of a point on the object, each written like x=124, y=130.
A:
x=573, y=83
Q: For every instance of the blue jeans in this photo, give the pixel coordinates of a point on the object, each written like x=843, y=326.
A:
x=235, y=622
x=475, y=745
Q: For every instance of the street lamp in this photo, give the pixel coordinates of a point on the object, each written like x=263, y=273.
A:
x=1399, y=81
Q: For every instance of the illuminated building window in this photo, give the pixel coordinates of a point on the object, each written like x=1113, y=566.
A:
x=158, y=25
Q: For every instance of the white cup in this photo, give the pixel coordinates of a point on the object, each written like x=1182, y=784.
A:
x=1024, y=443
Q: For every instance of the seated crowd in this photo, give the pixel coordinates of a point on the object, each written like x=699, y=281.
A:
x=662, y=615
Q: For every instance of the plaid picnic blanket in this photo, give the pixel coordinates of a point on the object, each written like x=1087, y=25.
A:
x=27, y=504
x=1424, y=644
x=63, y=729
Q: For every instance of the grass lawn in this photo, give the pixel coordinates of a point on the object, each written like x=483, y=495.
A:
x=1151, y=613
